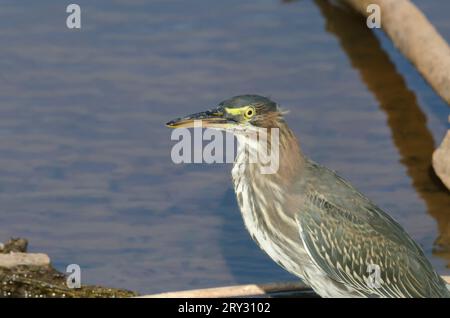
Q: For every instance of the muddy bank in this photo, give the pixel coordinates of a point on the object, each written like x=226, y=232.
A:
x=25, y=274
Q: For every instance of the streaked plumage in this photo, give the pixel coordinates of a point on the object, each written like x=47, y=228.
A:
x=316, y=225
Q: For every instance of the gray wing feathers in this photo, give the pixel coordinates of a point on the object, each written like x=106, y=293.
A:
x=348, y=237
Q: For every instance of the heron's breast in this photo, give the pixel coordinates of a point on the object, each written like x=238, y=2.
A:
x=261, y=204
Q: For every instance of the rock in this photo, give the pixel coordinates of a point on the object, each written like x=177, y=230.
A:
x=14, y=245
x=441, y=160
x=24, y=259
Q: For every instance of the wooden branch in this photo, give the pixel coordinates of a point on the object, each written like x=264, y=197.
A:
x=241, y=290
x=416, y=38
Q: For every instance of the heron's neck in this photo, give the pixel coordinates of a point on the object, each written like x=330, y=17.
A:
x=282, y=146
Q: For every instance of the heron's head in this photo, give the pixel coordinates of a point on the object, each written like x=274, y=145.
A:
x=239, y=113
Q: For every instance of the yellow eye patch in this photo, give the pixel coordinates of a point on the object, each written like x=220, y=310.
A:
x=246, y=111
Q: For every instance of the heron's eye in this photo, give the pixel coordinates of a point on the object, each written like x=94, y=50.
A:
x=249, y=113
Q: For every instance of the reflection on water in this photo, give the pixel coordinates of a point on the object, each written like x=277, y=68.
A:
x=85, y=170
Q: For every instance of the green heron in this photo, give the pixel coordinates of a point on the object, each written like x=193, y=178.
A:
x=311, y=221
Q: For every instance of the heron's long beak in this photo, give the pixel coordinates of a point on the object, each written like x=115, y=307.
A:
x=209, y=119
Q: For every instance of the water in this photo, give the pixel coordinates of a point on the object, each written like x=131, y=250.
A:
x=85, y=168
